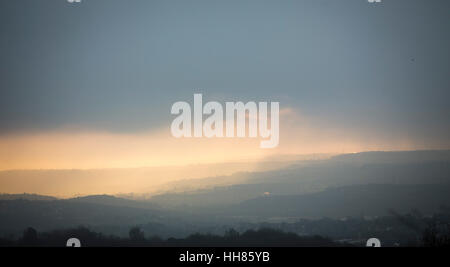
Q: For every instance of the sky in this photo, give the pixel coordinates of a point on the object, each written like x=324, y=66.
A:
x=90, y=85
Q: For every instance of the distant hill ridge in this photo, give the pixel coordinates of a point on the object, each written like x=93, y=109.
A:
x=32, y=197
x=396, y=157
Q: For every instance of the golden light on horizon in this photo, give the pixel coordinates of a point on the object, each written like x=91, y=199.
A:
x=113, y=161
x=72, y=148
x=88, y=150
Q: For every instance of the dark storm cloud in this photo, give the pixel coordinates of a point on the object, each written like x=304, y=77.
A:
x=119, y=65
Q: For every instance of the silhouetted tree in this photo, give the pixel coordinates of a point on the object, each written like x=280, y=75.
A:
x=30, y=237
x=136, y=234
x=231, y=234
x=435, y=236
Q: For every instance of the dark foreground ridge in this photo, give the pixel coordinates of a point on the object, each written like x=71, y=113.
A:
x=432, y=236
x=251, y=238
